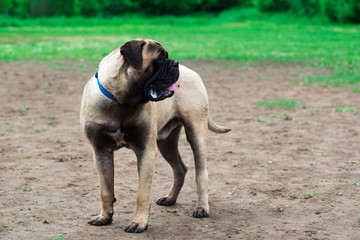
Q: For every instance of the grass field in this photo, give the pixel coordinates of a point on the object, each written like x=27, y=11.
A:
x=280, y=103
x=241, y=34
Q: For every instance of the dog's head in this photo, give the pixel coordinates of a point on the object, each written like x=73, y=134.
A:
x=149, y=72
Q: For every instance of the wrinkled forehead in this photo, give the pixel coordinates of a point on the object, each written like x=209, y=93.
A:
x=151, y=51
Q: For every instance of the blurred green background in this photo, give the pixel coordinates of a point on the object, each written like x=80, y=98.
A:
x=322, y=33
x=335, y=10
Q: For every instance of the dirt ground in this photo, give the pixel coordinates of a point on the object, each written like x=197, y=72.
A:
x=279, y=179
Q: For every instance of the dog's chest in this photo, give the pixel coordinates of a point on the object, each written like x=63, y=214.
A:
x=119, y=138
x=103, y=136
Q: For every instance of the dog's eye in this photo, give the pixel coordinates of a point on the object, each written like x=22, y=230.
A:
x=161, y=58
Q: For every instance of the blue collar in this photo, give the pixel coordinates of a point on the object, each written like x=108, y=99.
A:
x=104, y=91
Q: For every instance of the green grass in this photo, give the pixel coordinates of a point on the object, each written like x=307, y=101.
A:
x=281, y=103
x=57, y=238
x=261, y=120
x=10, y=129
x=47, y=91
x=52, y=117
x=344, y=109
x=241, y=34
x=287, y=117
x=309, y=194
x=26, y=107
x=354, y=182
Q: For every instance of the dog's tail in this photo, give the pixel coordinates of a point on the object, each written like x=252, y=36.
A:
x=217, y=128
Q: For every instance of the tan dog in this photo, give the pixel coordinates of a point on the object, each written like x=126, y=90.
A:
x=119, y=108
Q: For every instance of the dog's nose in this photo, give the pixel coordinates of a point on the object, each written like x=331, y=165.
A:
x=176, y=64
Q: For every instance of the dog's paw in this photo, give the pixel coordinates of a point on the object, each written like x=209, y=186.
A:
x=200, y=212
x=166, y=201
x=134, y=227
x=101, y=220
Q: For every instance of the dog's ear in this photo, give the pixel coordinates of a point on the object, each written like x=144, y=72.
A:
x=132, y=51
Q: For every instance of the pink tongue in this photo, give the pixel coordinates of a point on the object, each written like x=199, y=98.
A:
x=173, y=87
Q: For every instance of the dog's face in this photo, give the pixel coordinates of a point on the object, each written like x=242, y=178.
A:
x=150, y=73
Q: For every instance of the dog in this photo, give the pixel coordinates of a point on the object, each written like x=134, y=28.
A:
x=135, y=100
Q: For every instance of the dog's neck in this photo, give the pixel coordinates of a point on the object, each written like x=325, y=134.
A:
x=113, y=80
x=108, y=76
x=104, y=90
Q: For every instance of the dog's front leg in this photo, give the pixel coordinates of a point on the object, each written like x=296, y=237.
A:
x=104, y=162
x=146, y=164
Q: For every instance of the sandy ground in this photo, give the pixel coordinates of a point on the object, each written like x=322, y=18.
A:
x=279, y=179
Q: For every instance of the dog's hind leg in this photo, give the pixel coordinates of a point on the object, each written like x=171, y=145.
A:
x=197, y=136
x=169, y=150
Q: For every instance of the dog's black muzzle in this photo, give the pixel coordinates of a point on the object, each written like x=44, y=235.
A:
x=159, y=86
